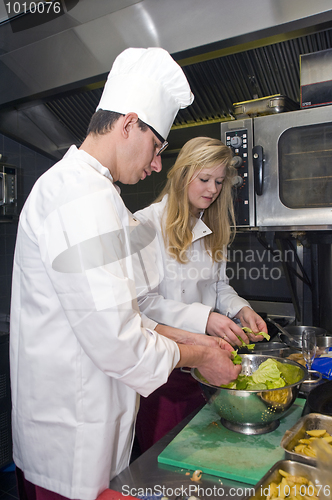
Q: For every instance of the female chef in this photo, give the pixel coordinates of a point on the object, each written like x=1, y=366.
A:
x=194, y=220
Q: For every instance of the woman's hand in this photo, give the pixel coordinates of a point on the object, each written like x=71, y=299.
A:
x=219, y=325
x=252, y=320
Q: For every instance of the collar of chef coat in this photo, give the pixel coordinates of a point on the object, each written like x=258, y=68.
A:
x=91, y=160
x=200, y=229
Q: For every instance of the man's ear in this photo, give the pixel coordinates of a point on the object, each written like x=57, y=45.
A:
x=129, y=121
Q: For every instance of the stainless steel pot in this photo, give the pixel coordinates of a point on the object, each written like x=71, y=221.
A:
x=292, y=335
x=296, y=342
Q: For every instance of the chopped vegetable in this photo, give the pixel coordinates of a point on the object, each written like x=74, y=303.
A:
x=249, y=330
x=243, y=344
x=196, y=475
x=305, y=445
x=281, y=397
x=291, y=487
x=317, y=432
x=237, y=360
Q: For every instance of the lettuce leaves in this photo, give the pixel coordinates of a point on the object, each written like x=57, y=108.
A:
x=249, y=330
x=271, y=374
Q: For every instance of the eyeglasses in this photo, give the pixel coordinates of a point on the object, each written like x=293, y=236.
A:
x=161, y=139
x=162, y=148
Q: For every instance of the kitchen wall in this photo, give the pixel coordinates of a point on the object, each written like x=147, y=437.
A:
x=30, y=166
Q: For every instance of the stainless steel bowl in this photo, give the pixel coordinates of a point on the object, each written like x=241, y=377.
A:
x=252, y=412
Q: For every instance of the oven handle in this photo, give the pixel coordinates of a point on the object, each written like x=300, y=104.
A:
x=2, y=188
x=258, y=163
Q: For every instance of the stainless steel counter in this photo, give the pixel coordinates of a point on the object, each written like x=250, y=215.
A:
x=145, y=476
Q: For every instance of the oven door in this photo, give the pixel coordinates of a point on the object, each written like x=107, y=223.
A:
x=292, y=156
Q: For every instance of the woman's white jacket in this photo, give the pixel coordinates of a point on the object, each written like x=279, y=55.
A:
x=79, y=351
x=186, y=293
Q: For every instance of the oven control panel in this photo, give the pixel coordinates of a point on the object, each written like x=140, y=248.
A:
x=237, y=140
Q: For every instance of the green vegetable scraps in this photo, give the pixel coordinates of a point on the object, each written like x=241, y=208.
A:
x=243, y=344
x=249, y=330
x=271, y=374
x=237, y=360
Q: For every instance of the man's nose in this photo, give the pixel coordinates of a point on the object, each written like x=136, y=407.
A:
x=156, y=163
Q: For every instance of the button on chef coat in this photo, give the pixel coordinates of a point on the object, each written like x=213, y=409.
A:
x=79, y=351
x=186, y=292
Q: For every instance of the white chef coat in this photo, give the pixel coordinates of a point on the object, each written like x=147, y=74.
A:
x=79, y=352
x=187, y=292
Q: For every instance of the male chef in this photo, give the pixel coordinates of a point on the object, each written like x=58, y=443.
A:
x=80, y=351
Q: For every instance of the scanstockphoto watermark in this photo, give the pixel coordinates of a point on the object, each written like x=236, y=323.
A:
x=253, y=273
x=26, y=14
x=240, y=264
x=187, y=491
x=234, y=255
x=259, y=256
x=256, y=264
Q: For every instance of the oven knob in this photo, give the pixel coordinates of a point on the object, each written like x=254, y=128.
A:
x=237, y=181
x=236, y=161
x=236, y=141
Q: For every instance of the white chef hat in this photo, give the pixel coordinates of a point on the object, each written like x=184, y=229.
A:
x=150, y=83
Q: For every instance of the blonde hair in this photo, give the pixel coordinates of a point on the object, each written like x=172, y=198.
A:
x=196, y=154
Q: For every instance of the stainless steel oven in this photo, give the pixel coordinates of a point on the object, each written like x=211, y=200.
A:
x=284, y=164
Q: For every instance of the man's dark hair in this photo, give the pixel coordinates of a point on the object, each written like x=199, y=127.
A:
x=102, y=122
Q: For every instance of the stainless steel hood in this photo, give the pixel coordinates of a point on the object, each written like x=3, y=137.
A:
x=52, y=69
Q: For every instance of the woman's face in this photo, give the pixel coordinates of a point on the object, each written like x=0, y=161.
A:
x=205, y=188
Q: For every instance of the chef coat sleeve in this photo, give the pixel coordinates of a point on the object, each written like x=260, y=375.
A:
x=85, y=248
x=190, y=317
x=148, y=323
x=228, y=302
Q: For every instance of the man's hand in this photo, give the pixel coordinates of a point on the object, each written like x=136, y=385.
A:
x=188, y=338
x=214, y=363
x=220, y=369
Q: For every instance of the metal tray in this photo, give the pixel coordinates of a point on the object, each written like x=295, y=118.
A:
x=293, y=468
x=264, y=106
x=291, y=437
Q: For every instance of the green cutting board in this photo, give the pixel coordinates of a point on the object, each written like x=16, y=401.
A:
x=207, y=445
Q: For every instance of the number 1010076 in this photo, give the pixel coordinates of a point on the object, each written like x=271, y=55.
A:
x=14, y=8
x=295, y=491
